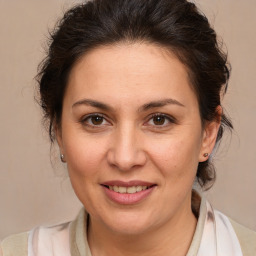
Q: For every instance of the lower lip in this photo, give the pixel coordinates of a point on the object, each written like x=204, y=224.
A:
x=128, y=198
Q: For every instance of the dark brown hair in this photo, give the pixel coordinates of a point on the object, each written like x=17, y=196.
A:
x=174, y=24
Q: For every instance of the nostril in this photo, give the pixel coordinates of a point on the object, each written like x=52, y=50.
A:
x=126, y=160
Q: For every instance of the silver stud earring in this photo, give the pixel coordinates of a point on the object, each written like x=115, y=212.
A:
x=206, y=154
x=62, y=158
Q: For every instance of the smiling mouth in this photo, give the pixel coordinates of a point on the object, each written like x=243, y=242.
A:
x=128, y=190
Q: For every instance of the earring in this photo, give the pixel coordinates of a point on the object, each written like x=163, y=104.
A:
x=206, y=154
x=62, y=158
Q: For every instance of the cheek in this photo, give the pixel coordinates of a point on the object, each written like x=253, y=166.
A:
x=177, y=156
x=84, y=161
x=84, y=155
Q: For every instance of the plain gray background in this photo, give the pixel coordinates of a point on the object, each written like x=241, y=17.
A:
x=34, y=187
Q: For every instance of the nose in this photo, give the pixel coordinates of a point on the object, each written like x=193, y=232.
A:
x=126, y=150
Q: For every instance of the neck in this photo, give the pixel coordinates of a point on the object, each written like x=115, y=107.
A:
x=172, y=238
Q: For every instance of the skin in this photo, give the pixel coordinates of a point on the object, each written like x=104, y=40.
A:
x=127, y=143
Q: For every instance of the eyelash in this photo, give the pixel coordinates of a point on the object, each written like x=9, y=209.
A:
x=168, y=118
x=85, y=119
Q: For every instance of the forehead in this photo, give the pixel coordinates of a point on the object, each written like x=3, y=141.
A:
x=129, y=70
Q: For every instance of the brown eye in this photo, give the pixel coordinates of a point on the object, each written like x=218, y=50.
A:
x=97, y=120
x=159, y=120
x=94, y=120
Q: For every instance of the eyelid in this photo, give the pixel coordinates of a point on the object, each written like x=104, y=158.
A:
x=85, y=117
x=171, y=119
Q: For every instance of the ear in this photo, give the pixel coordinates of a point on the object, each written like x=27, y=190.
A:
x=210, y=133
x=58, y=136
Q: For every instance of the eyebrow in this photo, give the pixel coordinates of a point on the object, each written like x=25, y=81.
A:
x=92, y=103
x=160, y=103
x=147, y=106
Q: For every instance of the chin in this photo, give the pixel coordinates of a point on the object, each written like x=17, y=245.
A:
x=130, y=223
x=129, y=228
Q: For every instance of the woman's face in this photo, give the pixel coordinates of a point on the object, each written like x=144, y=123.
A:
x=132, y=136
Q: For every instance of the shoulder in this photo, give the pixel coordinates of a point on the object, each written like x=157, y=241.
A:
x=246, y=237
x=66, y=239
x=42, y=240
x=15, y=245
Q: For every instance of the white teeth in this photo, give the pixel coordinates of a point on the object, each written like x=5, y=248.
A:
x=122, y=190
x=116, y=188
x=139, y=188
x=129, y=190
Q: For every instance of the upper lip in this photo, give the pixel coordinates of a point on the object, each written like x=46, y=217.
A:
x=130, y=183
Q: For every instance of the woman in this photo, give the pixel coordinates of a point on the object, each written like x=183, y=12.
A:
x=132, y=90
